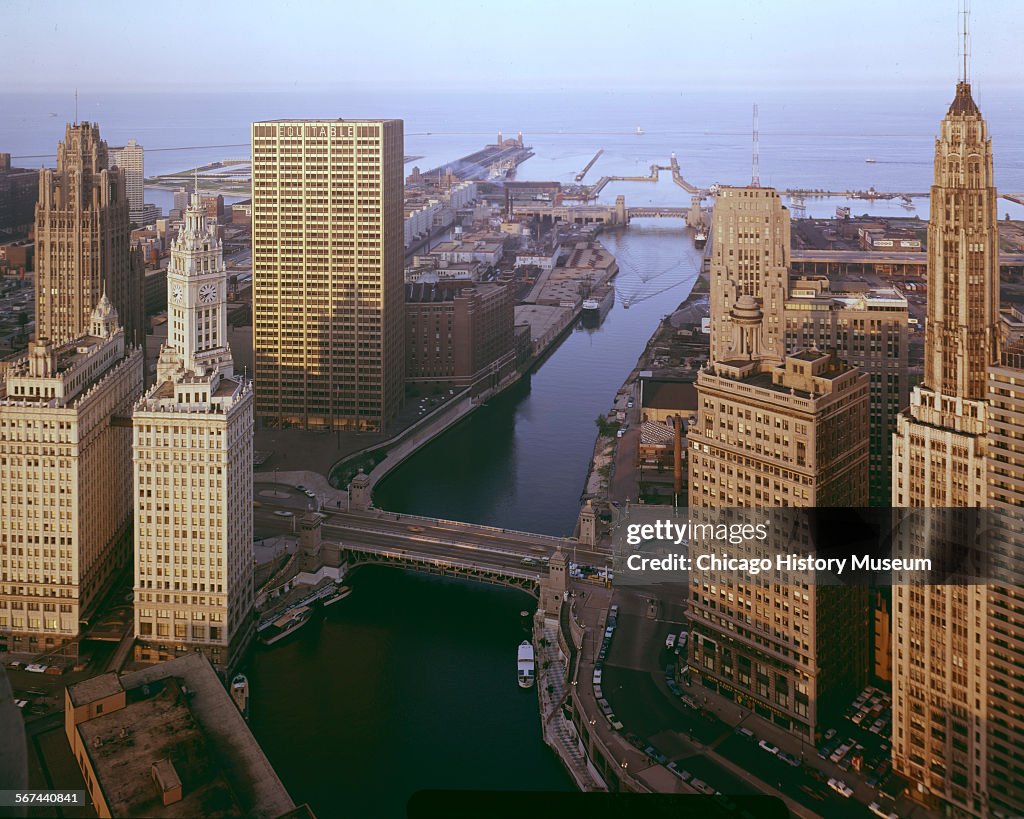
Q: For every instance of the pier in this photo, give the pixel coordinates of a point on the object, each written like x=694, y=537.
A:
x=589, y=165
x=594, y=190
x=504, y=154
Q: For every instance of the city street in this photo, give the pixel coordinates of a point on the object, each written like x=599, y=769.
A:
x=698, y=740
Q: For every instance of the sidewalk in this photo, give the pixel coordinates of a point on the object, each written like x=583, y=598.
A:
x=557, y=734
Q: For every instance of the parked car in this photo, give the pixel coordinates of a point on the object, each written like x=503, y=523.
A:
x=765, y=745
x=877, y=809
x=789, y=759
x=746, y=733
x=831, y=732
x=670, y=642
x=840, y=787
x=686, y=776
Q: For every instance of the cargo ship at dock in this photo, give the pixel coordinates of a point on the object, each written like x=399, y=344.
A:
x=597, y=304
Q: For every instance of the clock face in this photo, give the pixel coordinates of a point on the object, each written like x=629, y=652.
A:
x=177, y=293
x=207, y=293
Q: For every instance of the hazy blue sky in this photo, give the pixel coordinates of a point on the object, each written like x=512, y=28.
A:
x=514, y=45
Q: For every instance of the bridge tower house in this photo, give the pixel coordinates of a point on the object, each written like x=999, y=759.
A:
x=588, y=525
x=310, y=539
x=360, y=495
x=621, y=214
x=552, y=588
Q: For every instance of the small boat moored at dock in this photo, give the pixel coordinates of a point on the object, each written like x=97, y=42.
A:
x=289, y=622
x=341, y=593
x=526, y=665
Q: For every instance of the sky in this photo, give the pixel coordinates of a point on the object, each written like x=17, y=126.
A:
x=509, y=45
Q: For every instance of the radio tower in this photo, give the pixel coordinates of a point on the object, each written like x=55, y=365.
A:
x=755, y=180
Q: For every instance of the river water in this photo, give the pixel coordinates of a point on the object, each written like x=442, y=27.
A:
x=521, y=461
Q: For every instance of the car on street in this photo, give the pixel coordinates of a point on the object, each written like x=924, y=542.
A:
x=670, y=642
x=283, y=513
x=831, y=732
x=301, y=488
x=789, y=759
x=310, y=493
x=877, y=809
x=840, y=787
x=686, y=776
x=765, y=745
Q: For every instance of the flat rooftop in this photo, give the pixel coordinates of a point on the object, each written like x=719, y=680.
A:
x=156, y=725
x=234, y=758
x=97, y=688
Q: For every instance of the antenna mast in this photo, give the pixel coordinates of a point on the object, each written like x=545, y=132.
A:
x=966, y=38
x=755, y=180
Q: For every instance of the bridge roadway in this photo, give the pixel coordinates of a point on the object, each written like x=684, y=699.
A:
x=411, y=537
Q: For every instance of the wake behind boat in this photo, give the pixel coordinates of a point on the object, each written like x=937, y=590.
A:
x=526, y=666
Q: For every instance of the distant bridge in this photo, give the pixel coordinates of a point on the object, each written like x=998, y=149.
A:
x=666, y=213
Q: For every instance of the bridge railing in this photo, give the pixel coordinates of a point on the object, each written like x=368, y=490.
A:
x=441, y=561
x=464, y=525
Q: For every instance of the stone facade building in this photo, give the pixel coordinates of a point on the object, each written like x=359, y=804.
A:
x=193, y=444
x=65, y=466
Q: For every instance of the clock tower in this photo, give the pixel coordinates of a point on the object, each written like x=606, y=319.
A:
x=196, y=301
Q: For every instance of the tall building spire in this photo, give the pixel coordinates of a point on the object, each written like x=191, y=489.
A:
x=963, y=255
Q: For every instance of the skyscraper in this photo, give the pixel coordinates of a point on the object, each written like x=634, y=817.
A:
x=1004, y=736
x=750, y=256
x=868, y=328
x=940, y=726
x=772, y=430
x=65, y=466
x=193, y=437
x=129, y=158
x=83, y=242
x=328, y=285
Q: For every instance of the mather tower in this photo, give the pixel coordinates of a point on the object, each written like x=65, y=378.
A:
x=193, y=470
x=940, y=697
